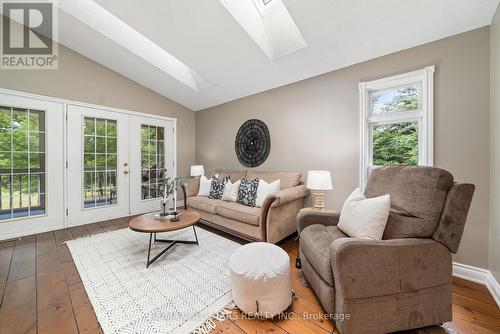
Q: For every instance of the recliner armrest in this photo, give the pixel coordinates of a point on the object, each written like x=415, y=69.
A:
x=308, y=217
x=284, y=196
x=370, y=268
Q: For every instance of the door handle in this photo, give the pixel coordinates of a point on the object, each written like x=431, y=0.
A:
x=125, y=172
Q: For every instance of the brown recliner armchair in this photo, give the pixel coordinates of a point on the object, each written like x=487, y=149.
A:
x=403, y=281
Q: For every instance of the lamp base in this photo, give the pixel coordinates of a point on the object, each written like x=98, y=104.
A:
x=319, y=200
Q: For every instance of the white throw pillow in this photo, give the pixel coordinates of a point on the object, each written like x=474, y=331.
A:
x=364, y=218
x=205, y=185
x=230, y=193
x=265, y=189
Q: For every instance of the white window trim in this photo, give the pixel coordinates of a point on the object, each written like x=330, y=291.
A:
x=425, y=77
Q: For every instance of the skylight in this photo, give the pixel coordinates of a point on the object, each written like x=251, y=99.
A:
x=269, y=24
x=98, y=18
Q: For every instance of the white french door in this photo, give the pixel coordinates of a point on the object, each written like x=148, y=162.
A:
x=116, y=163
x=97, y=165
x=31, y=168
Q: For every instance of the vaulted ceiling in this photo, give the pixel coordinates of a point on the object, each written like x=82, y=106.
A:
x=196, y=53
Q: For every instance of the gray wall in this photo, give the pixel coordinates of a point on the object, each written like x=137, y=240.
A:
x=495, y=148
x=81, y=79
x=314, y=124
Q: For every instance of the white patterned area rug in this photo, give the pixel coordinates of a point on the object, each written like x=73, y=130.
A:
x=181, y=292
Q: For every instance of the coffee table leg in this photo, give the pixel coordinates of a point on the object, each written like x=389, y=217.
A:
x=172, y=243
x=195, y=235
x=149, y=248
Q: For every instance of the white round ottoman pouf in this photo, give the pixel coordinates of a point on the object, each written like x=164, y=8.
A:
x=261, y=280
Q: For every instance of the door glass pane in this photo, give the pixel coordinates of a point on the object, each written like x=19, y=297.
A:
x=152, y=161
x=99, y=162
x=395, y=144
x=405, y=98
x=22, y=162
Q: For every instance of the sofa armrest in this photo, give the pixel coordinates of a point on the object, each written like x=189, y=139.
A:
x=310, y=216
x=371, y=268
x=284, y=196
x=191, y=186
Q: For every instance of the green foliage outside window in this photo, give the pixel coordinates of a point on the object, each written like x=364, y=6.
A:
x=397, y=143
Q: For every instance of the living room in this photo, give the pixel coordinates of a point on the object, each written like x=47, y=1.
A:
x=250, y=166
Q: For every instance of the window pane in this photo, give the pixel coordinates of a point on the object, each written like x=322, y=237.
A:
x=88, y=198
x=111, y=181
x=20, y=140
x=5, y=118
x=100, y=145
x=111, y=129
x=89, y=144
x=20, y=119
x=37, y=160
x=111, y=145
x=113, y=197
x=89, y=180
x=5, y=140
x=395, y=144
x=111, y=161
x=101, y=180
x=100, y=162
x=36, y=120
x=5, y=184
x=5, y=161
x=152, y=151
x=89, y=162
x=20, y=160
x=406, y=98
x=100, y=127
x=89, y=126
x=37, y=141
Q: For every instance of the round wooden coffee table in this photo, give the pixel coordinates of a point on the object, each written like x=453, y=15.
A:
x=148, y=223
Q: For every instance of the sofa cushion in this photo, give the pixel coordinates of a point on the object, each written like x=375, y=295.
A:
x=239, y=212
x=247, y=192
x=315, y=243
x=234, y=175
x=203, y=203
x=418, y=191
x=217, y=187
x=287, y=179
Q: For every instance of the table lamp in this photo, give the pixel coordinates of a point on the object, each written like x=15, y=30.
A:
x=319, y=181
x=197, y=171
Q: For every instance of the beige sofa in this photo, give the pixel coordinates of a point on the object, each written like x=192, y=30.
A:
x=271, y=223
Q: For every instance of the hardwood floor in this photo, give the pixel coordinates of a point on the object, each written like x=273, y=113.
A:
x=41, y=292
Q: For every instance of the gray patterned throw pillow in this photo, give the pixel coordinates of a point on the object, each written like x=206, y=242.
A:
x=217, y=187
x=247, y=193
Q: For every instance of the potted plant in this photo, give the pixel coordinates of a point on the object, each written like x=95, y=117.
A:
x=170, y=187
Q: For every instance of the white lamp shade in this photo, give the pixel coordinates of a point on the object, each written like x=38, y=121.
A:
x=319, y=180
x=197, y=170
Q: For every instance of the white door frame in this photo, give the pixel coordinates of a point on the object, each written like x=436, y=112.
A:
x=65, y=103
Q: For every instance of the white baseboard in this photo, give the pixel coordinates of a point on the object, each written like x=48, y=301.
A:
x=494, y=287
x=478, y=275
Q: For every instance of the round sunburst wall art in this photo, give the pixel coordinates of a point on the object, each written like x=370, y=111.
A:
x=253, y=143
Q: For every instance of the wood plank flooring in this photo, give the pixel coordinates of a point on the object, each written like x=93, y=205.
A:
x=41, y=292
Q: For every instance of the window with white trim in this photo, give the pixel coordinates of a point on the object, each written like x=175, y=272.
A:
x=396, y=121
